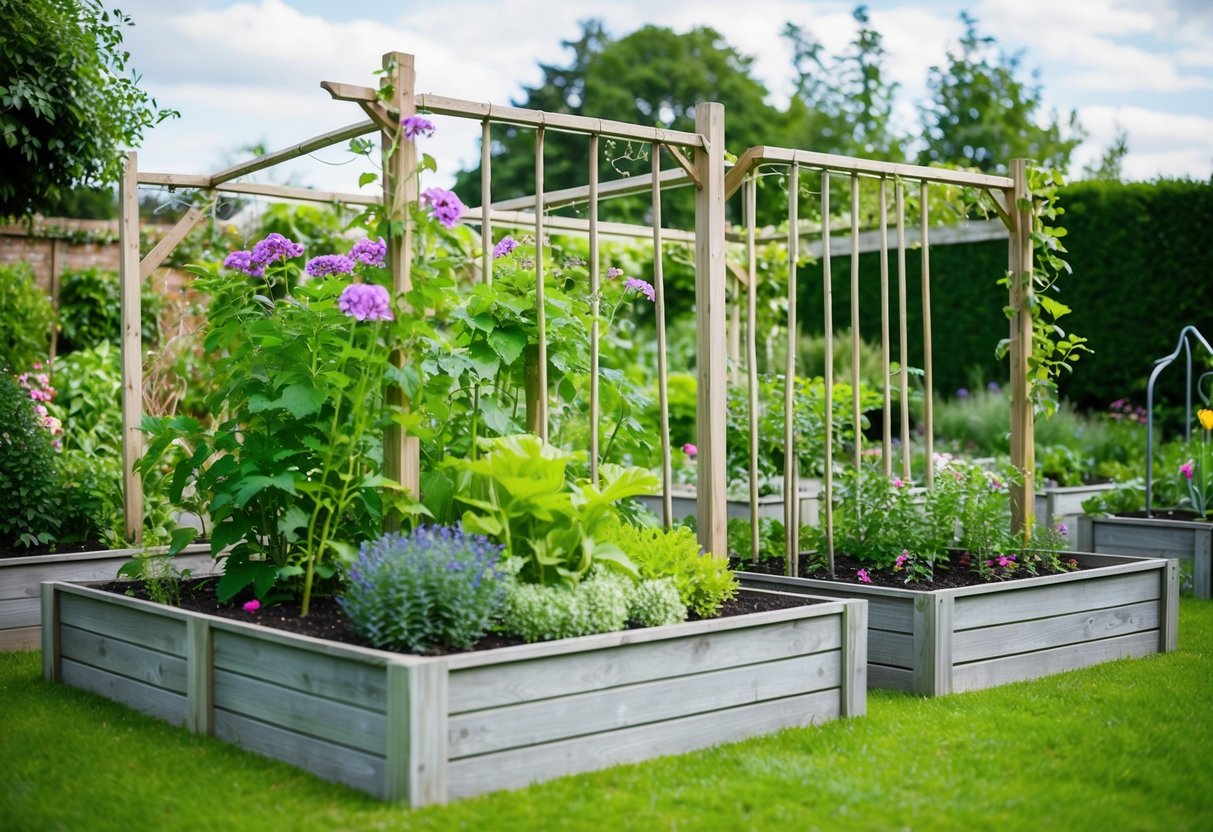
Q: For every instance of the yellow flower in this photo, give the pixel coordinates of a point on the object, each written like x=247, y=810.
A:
x=1206, y=418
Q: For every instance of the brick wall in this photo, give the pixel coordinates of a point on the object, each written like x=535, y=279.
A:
x=60, y=244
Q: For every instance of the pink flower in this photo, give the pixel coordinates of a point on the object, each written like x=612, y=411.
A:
x=863, y=576
x=901, y=559
x=1186, y=469
x=690, y=450
x=642, y=286
x=252, y=606
x=898, y=482
x=614, y=272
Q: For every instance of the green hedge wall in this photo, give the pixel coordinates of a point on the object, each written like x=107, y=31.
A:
x=1142, y=269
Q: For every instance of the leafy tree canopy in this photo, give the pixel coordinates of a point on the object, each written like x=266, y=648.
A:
x=68, y=106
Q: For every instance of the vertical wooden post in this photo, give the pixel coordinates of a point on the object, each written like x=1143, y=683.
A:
x=856, y=413
x=854, y=659
x=595, y=308
x=1168, y=615
x=928, y=394
x=537, y=397
x=710, y=325
x=199, y=676
x=903, y=329
x=887, y=407
x=416, y=765
x=51, y=664
x=827, y=399
x=751, y=353
x=401, y=454
x=486, y=199
x=1023, y=444
x=132, y=347
x=791, y=490
x=663, y=376
x=933, y=643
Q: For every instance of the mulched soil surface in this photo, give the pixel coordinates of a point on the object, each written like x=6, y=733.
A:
x=947, y=576
x=57, y=549
x=326, y=620
x=1163, y=514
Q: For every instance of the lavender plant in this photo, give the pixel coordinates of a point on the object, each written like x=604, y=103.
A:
x=435, y=587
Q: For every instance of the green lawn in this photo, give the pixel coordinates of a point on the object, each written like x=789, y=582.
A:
x=1127, y=745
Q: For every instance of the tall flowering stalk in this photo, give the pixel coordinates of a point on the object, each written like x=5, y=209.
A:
x=1198, y=471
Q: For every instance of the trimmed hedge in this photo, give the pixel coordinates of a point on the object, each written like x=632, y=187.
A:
x=1142, y=269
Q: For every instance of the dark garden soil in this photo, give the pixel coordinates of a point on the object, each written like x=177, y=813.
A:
x=55, y=549
x=326, y=620
x=1163, y=514
x=957, y=572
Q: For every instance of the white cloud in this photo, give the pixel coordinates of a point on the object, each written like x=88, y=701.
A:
x=1159, y=143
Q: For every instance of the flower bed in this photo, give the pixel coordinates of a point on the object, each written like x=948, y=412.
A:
x=20, y=579
x=1188, y=540
x=428, y=729
x=968, y=638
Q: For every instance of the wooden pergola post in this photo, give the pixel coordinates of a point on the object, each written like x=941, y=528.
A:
x=132, y=347
x=710, y=325
x=1023, y=440
x=401, y=453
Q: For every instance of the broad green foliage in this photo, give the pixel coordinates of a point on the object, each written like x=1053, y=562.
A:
x=69, y=103
x=516, y=493
x=703, y=581
x=290, y=470
x=90, y=309
x=29, y=507
x=25, y=319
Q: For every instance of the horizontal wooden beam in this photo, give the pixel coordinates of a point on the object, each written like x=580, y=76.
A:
x=755, y=156
x=184, y=180
x=639, y=184
x=576, y=225
x=268, y=160
x=840, y=240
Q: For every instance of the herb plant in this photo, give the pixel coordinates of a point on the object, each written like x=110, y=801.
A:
x=703, y=580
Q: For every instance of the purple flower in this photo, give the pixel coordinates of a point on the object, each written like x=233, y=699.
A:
x=644, y=287
x=1186, y=469
x=962, y=393
x=415, y=126
x=1063, y=529
x=369, y=251
x=504, y=247
x=242, y=261
x=444, y=205
x=614, y=272
x=275, y=247
x=863, y=576
x=993, y=387
x=366, y=302
x=327, y=264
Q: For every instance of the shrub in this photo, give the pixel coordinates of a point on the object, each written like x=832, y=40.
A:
x=704, y=582
x=29, y=513
x=655, y=603
x=25, y=319
x=90, y=310
x=436, y=587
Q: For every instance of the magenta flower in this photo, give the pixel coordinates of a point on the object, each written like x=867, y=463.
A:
x=242, y=261
x=1187, y=468
x=251, y=606
x=898, y=482
x=614, y=272
x=901, y=559
x=368, y=251
x=415, y=126
x=690, y=450
x=504, y=247
x=444, y=205
x=366, y=302
x=643, y=287
x=327, y=264
x=863, y=576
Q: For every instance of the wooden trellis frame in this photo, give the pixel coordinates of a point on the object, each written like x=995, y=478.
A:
x=401, y=453
x=1011, y=201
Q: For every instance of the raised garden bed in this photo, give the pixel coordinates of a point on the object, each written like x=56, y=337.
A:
x=968, y=638
x=1186, y=540
x=683, y=504
x=21, y=578
x=429, y=729
x=1063, y=504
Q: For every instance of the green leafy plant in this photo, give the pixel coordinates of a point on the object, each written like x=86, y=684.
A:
x=29, y=508
x=517, y=493
x=703, y=580
x=90, y=309
x=1198, y=471
x=25, y=319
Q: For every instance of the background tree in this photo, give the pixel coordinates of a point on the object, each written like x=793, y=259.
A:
x=981, y=115
x=652, y=76
x=67, y=105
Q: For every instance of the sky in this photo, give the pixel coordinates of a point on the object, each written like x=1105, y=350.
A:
x=244, y=72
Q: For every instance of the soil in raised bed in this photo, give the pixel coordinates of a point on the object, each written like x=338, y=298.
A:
x=54, y=549
x=1163, y=514
x=949, y=574
x=326, y=620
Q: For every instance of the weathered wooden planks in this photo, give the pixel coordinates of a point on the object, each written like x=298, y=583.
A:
x=1154, y=537
x=935, y=642
x=388, y=724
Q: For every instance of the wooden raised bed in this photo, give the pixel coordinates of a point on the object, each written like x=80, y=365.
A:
x=683, y=504
x=1153, y=537
x=952, y=640
x=429, y=729
x=21, y=578
x=1063, y=504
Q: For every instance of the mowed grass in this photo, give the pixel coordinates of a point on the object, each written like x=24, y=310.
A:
x=1121, y=746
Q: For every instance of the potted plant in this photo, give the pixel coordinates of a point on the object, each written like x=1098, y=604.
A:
x=948, y=614
x=1116, y=522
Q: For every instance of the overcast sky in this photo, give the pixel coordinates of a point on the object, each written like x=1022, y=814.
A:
x=248, y=71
